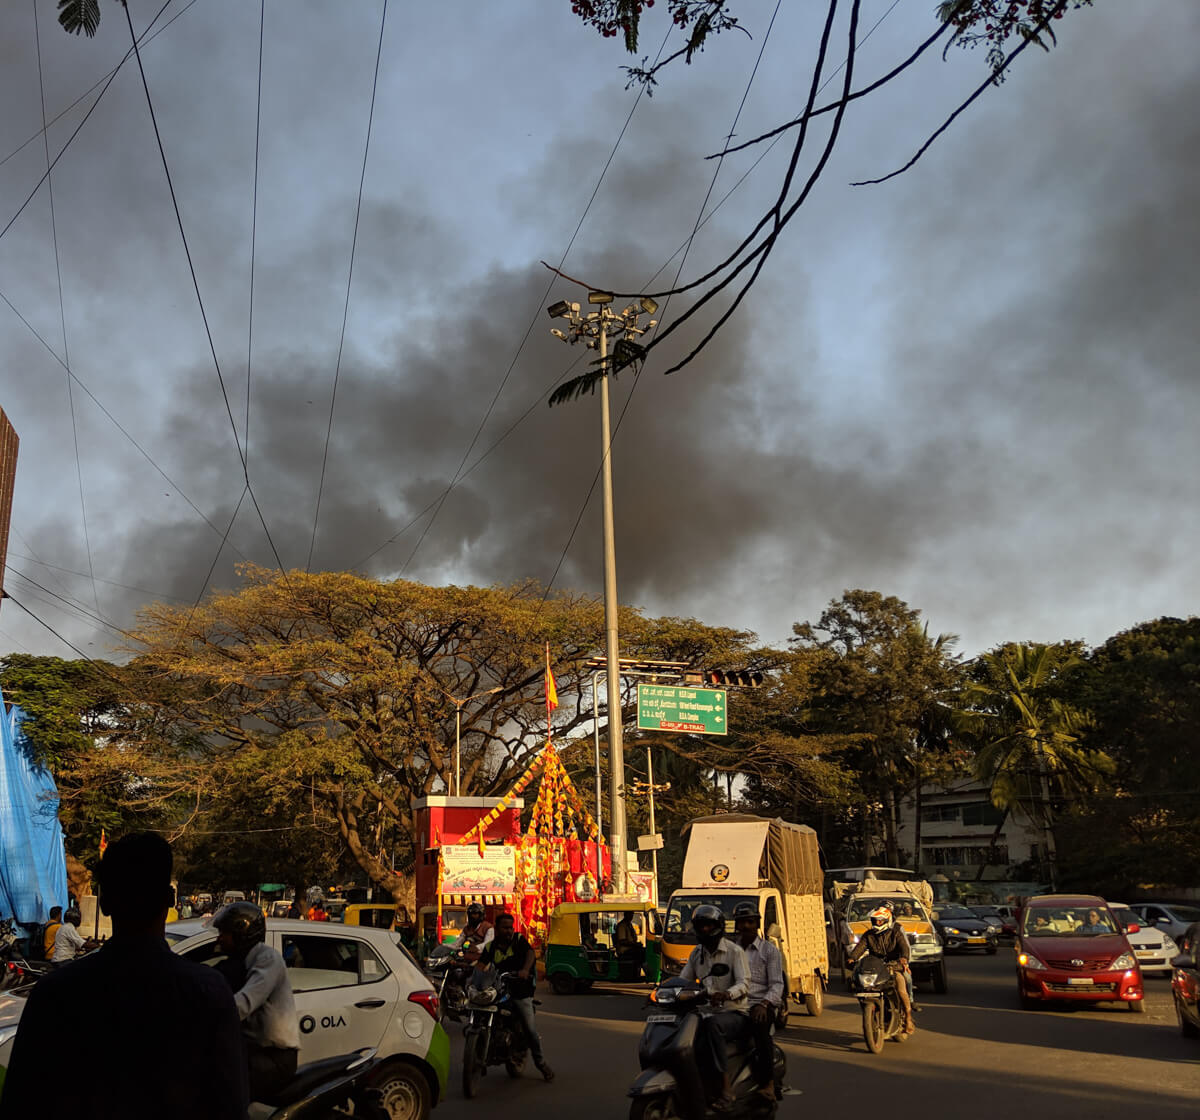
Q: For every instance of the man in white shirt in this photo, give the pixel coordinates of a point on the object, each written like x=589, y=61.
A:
x=68, y=942
x=720, y=965
x=766, y=991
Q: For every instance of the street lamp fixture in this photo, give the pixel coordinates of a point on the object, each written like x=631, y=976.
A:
x=458, y=707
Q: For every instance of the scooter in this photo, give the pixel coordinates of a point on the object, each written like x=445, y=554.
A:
x=323, y=1090
x=494, y=1035
x=671, y=1084
x=874, y=985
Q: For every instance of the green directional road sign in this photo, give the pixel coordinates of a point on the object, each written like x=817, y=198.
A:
x=700, y=711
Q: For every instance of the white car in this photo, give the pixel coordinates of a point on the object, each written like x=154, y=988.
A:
x=1153, y=947
x=355, y=986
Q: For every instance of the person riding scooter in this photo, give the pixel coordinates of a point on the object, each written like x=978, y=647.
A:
x=726, y=989
x=886, y=939
x=766, y=993
x=479, y=932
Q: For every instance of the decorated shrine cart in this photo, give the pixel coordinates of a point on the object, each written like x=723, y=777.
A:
x=474, y=850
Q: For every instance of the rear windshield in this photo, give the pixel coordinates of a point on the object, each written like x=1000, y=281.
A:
x=905, y=908
x=1067, y=921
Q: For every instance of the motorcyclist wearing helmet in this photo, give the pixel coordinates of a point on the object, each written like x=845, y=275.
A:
x=478, y=931
x=764, y=963
x=68, y=941
x=263, y=995
x=727, y=989
x=885, y=939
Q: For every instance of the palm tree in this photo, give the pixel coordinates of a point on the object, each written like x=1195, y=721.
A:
x=1024, y=736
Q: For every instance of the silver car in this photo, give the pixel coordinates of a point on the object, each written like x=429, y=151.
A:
x=1153, y=946
x=1169, y=917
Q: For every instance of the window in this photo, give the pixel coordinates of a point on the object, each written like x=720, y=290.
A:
x=982, y=812
x=939, y=813
x=967, y=855
x=205, y=953
x=316, y=962
x=770, y=915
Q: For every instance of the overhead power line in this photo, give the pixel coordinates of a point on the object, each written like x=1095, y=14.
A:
x=337, y=371
x=200, y=299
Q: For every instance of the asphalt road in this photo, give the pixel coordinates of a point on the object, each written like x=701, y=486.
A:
x=975, y=1056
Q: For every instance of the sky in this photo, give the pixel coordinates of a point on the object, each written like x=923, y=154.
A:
x=972, y=387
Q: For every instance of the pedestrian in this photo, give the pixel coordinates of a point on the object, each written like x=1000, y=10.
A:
x=147, y=1034
x=49, y=932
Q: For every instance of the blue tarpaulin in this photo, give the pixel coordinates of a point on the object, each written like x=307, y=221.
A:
x=33, y=865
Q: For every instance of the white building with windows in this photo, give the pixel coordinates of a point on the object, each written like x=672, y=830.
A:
x=958, y=834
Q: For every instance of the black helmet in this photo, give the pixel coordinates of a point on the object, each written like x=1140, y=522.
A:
x=746, y=910
x=708, y=919
x=73, y=917
x=244, y=922
x=475, y=913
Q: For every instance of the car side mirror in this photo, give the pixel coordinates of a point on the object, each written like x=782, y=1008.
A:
x=774, y=933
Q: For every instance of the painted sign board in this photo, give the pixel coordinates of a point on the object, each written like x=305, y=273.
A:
x=698, y=711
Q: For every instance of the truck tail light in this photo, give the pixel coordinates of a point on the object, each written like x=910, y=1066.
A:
x=428, y=1000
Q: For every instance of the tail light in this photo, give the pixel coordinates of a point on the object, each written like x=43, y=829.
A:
x=428, y=1000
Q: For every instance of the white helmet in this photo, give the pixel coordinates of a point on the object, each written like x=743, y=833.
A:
x=881, y=919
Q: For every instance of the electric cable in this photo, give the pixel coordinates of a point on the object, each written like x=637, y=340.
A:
x=262, y=19
x=62, y=113
x=533, y=321
x=337, y=371
x=66, y=642
x=73, y=604
x=78, y=128
x=62, y=309
x=137, y=54
x=52, y=568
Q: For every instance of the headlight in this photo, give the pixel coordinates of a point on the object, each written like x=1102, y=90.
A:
x=869, y=979
x=1029, y=961
x=1125, y=960
x=1169, y=946
x=951, y=929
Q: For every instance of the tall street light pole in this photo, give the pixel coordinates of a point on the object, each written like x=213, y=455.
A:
x=458, y=707
x=595, y=328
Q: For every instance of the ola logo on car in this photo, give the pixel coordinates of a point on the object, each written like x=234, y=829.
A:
x=719, y=873
x=308, y=1024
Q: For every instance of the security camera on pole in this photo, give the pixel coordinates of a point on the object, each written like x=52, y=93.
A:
x=595, y=328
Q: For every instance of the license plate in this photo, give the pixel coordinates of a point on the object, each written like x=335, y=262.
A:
x=660, y=1018
x=976, y=940
x=1143, y=953
x=1080, y=981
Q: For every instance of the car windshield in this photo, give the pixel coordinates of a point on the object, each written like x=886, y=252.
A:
x=1126, y=916
x=679, y=914
x=984, y=912
x=904, y=908
x=954, y=914
x=1067, y=921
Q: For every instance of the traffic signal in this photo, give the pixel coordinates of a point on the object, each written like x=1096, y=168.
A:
x=722, y=678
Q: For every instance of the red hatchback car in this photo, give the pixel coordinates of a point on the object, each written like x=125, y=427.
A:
x=1071, y=948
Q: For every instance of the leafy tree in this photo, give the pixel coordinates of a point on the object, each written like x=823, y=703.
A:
x=877, y=683
x=75, y=711
x=1028, y=741
x=1142, y=688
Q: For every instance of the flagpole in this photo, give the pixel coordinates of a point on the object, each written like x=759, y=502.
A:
x=547, y=691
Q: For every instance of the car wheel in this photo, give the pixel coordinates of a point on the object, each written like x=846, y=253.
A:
x=403, y=1093
x=1137, y=1006
x=1186, y=1028
x=814, y=1001
x=1026, y=1004
x=940, y=984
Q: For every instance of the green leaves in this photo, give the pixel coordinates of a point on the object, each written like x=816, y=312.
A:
x=79, y=15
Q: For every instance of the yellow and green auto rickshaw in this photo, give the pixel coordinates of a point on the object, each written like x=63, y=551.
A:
x=602, y=941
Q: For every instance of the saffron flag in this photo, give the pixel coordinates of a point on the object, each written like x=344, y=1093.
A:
x=551, y=689
x=103, y=842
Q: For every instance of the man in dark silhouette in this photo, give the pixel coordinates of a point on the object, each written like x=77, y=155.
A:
x=153, y=1035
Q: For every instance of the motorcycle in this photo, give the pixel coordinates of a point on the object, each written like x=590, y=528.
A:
x=874, y=985
x=494, y=1034
x=331, y=1087
x=447, y=968
x=671, y=1084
